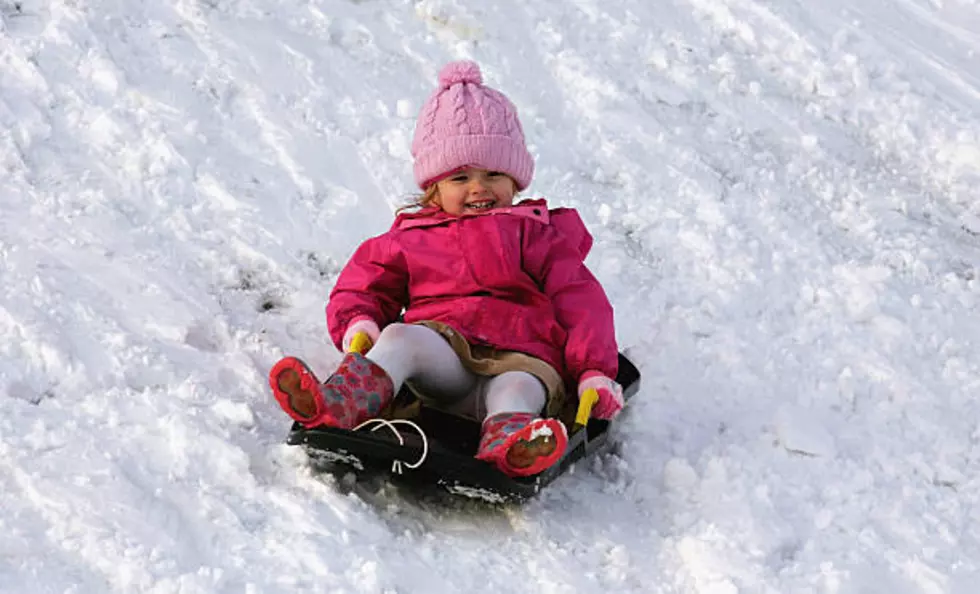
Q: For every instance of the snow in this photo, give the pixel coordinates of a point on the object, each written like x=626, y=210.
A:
x=784, y=198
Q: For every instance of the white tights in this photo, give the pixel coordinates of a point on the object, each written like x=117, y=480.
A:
x=420, y=354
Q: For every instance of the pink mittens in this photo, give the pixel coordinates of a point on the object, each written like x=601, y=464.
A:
x=610, y=394
x=365, y=325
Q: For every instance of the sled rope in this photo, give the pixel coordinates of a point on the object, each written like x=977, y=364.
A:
x=396, y=466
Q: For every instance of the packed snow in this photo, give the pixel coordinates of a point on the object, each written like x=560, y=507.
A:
x=785, y=202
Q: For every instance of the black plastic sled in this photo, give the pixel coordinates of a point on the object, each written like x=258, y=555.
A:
x=439, y=448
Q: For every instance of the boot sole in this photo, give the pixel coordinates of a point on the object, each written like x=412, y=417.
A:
x=523, y=453
x=296, y=389
x=301, y=401
x=532, y=450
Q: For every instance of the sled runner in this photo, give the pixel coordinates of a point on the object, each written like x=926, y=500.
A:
x=416, y=444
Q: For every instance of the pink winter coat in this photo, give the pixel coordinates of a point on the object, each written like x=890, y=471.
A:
x=512, y=278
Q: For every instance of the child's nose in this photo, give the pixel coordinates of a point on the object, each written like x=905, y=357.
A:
x=478, y=184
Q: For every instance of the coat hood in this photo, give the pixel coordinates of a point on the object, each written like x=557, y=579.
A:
x=566, y=220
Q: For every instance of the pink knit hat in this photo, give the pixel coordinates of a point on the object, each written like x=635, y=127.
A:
x=465, y=123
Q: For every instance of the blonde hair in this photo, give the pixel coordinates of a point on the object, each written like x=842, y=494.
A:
x=421, y=200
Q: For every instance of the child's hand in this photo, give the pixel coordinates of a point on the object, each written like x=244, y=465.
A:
x=610, y=394
x=365, y=325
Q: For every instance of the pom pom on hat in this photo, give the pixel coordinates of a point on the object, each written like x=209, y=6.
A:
x=463, y=71
x=465, y=123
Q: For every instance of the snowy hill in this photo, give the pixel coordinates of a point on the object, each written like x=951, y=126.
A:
x=785, y=201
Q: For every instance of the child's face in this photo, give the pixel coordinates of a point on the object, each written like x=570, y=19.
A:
x=473, y=190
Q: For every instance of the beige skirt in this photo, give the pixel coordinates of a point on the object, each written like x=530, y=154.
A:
x=487, y=361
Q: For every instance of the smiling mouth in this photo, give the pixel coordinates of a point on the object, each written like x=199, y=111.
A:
x=482, y=205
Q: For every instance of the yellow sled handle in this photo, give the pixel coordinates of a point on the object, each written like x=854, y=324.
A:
x=585, y=404
x=361, y=343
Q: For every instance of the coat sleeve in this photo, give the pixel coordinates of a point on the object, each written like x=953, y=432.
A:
x=555, y=260
x=373, y=284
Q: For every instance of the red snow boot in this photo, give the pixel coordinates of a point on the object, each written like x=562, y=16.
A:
x=520, y=444
x=356, y=392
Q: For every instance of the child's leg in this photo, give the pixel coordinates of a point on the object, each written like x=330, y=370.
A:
x=515, y=391
x=363, y=385
x=420, y=354
x=514, y=437
x=356, y=391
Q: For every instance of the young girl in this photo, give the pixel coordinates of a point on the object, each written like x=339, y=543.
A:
x=499, y=310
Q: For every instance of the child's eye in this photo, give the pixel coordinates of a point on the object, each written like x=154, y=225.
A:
x=494, y=174
x=458, y=178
